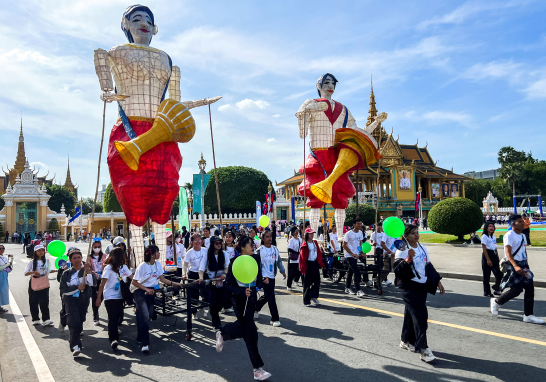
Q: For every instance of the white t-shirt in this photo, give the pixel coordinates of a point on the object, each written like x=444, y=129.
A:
x=180, y=252
x=420, y=260
x=334, y=238
x=193, y=258
x=230, y=252
x=377, y=242
x=312, y=251
x=514, y=240
x=112, y=290
x=353, y=240
x=75, y=280
x=268, y=257
x=109, y=248
x=43, y=268
x=490, y=242
x=147, y=275
x=219, y=272
x=389, y=241
x=207, y=242
x=295, y=244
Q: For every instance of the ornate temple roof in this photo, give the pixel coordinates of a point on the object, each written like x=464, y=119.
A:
x=68, y=182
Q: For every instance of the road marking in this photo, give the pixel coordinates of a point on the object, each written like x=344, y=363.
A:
x=40, y=365
x=461, y=327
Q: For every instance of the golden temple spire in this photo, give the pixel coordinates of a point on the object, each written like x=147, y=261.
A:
x=372, y=113
x=68, y=183
x=21, y=157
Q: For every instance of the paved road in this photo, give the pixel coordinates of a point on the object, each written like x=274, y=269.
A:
x=344, y=339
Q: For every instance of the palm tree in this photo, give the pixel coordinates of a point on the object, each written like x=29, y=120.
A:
x=188, y=186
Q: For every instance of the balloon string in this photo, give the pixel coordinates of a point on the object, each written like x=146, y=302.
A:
x=244, y=313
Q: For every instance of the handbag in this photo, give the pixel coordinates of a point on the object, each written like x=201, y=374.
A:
x=504, y=262
x=294, y=256
x=39, y=283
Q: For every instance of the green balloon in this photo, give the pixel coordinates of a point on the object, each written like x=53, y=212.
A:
x=366, y=247
x=257, y=237
x=245, y=269
x=393, y=227
x=56, y=248
x=264, y=220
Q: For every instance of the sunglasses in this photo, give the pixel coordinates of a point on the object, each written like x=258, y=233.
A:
x=2, y=248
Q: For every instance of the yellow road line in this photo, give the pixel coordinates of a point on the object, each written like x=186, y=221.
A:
x=40, y=365
x=461, y=327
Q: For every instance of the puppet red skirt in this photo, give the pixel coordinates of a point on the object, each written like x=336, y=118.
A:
x=150, y=191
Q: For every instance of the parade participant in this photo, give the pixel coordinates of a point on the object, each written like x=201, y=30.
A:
x=293, y=258
x=38, y=290
x=253, y=233
x=310, y=265
x=416, y=277
x=6, y=265
x=375, y=241
x=192, y=261
x=75, y=286
x=110, y=288
x=144, y=163
x=215, y=265
x=96, y=261
x=518, y=277
x=244, y=302
x=271, y=260
x=206, y=242
x=387, y=244
x=169, y=250
x=351, y=244
x=146, y=281
x=229, y=250
x=338, y=148
x=334, y=241
x=180, y=253
x=490, y=260
x=527, y=229
x=185, y=237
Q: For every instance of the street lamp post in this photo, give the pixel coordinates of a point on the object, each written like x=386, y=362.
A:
x=269, y=190
x=202, y=164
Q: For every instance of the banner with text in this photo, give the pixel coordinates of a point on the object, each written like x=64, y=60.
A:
x=197, y=191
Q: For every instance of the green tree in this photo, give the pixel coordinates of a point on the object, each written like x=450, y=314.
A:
x=512, y=165
x=477, y=189
x=2, y=203
x=88, y=206
x=59, y=196
x=53, y=225
x=240, y=188
x=501, y=190
x=455, y=216
x=110, y=202
x=365, y=211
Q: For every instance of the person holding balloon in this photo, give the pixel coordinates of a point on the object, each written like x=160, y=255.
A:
x=416, y=277
x=244, y=276
x=352, y=244
x=310, y=265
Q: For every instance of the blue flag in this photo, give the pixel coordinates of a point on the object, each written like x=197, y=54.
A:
x=197, y=190
x=76, y=215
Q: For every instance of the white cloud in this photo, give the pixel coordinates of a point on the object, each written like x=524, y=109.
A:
x=436, y=117
x=271, y=140
x=248, y=103
x=276, y=116
x=537, y=89
x=494, y=69
x=225, y=107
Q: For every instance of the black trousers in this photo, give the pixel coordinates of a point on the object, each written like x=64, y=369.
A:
x=62, y=313
x=144, y=304
x=527, y=233
x=244, y=327
x=354, y=272
x=114, y=308
x=76, y=312
x=495, y=268
x=95, y=293
x=515, y=291
x=311, y=282
x=293, y=274
x=38, y=302
x=193, y=293
x=217, y=297
x=269, y=298
x=414, y=329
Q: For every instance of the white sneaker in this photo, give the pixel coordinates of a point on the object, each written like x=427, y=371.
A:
x=532, y=319
x=97, y=322
x=407, y=346
x=289, y=289
x=145, y=349
x=76, y=351
x=495, y=308
x=369, y=284
x=219, y=341
x=205, y=313
x=349, y=291
x=261, y=375
x=47, y=323
x=37, y=322
x=307, y=305
x=60, y=328
x=114, y=344
x=256, y=315
x=360, y=294
x=316, y=301
x=387, y=283
x=276, y=324
x=427, y=356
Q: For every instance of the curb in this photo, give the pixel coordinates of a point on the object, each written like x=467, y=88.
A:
x=478, y=246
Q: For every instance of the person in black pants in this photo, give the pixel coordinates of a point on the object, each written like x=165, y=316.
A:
x=244, y=302
x=352, y=244
x=293, y=258
x=310, y=265
x=490, y=260
x=271, y=260
x=38, y=288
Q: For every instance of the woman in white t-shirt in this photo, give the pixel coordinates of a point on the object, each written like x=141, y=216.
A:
x=39, y=269
x=114, y=272
x=334, y=241
x=146, y=279
x=229, y=250
x=410, y=268
x=294, y=246
x=192, y=260
x=96, y=261
x=180, y=253
x=490, y=260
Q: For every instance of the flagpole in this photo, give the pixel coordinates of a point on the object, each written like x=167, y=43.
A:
x=215, y=174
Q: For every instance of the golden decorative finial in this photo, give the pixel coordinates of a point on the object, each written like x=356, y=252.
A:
x=426, y=145
x=201, y=160
x=372, y=113
x=417, y=142
x=269, y=188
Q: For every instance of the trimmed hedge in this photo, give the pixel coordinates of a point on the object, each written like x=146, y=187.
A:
x=455, y=216
x=365, y=211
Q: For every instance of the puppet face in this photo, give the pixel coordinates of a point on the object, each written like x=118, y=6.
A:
x=328, y=87
x=141, y=27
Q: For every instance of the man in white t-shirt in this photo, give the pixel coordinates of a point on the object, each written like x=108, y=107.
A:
x=518, y=277
x=351, y=245
x=387, y=244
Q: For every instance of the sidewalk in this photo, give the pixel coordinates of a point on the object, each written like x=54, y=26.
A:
x=464, y=262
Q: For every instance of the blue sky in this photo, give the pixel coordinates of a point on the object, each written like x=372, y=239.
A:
x=468, y=77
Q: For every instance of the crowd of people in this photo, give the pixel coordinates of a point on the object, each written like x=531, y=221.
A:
x=109, y=277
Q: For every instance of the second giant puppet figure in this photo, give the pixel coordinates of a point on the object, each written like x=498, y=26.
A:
x=143, y=155
x=338, y=148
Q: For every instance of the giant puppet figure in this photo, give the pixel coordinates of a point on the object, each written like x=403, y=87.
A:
x=338, y=147
x=143, y=155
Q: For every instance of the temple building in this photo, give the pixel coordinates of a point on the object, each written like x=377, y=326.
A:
x=394, y=182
